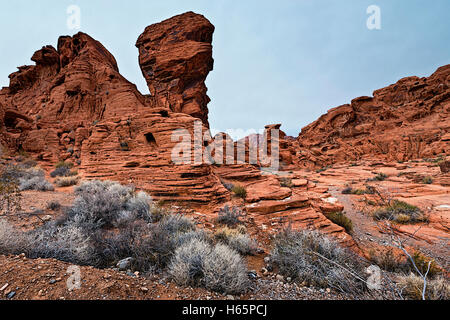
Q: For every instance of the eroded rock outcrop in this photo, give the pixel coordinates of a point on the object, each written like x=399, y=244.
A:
x=75, y=105
x=175, y=56
x=406, y=120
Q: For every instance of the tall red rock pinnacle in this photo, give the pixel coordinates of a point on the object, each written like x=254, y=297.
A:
x=175, y=58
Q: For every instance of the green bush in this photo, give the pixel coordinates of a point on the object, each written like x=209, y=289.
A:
x=421, y=261
x=379, y=177
x=427, y=180
x=286, y=182
x=341, y=219
x=67, y=181
x=239, y=191
x=64, y=164
x=400, y=212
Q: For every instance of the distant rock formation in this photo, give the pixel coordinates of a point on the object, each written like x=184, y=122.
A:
x=404, y=121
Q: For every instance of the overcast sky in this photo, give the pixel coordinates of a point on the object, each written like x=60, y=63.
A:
x=285, y=61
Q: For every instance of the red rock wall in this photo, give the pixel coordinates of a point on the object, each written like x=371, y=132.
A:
x=406, y=120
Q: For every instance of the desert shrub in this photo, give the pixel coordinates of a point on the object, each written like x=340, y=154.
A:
x=308, y=256
x=150, y=245
x=68, y=242
x=183, y=237
x=347, y=190
x=236, y=240
x=400, y=212
x=132, y=241
x=387, y=260
x=239, y=191
x=367, y=190
x=29, y=163
x=63, y=169
x=177, y=223
x=60, y=172
x=12, y=241
x=106, y=223
x=53, y=205
x=10, y=196
x=341, y=219
x=36, y=183
x=12, y=172
x=27, y=178
x=19, y=171
x=286, y=182
x=157, y=211
x=421, y=261
x=412, y=288
x=67, y=181
x=379, y=177
x=63, y=164
x=229, y=216
x=218, y=268
x=427, y=180
x=109, y=203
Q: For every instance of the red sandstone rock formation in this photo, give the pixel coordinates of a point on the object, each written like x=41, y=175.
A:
x=175, y=57
x=406, y=120
x=74, y=105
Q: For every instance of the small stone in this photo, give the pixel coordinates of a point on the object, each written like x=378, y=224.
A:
x=230, y=297
x=266, y=260
x=52, y=281
x=288, y=279
x=4, y=287
x=328, y=290
x=124, y=264
x=264, y=271
x=144, y=289
x=279, y=277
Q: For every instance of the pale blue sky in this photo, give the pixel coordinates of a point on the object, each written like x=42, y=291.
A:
x=285, y=61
